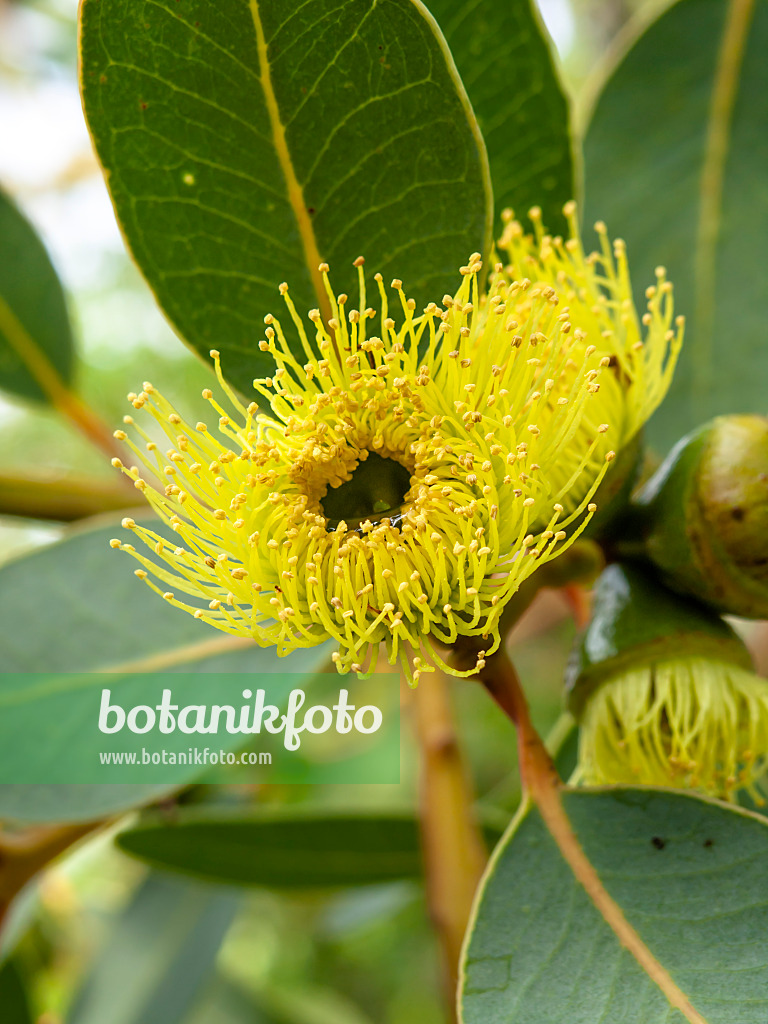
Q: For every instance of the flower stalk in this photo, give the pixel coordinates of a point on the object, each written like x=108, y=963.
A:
x=453, y=847
x=537, y=770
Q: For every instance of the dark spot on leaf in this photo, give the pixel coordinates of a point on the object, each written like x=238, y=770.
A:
x=102, y=79
x=310, y=210
x=143, y=105
x=738, y=514
x=708, y=844
x=658, y=842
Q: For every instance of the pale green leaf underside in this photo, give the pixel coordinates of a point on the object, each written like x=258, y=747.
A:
x=675, y=160
x=243, y=142
x=691, y=877
x=76, y=606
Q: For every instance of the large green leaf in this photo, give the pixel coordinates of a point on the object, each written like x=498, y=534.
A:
x=243, y=142
x=675, y=161
x=689, y=875
x=13, y=995
x=36, y=346
x=160, y=955
x=302, y=849
x=503, y=54
x=290, y=848
x=76, y=606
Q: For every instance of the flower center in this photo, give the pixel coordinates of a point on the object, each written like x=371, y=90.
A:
x=375, y=491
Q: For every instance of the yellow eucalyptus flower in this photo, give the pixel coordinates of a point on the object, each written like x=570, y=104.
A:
x=690, y=722
x=404, y=483
x=596, y=290
x=664, y=692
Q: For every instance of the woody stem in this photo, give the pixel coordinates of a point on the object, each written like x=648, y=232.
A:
x=454, y=853
x=502, y=682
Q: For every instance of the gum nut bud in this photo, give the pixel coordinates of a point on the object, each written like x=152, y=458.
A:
x=704, y=515
x=635, y=622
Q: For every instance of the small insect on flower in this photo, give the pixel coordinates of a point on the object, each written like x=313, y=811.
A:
x=413, y=470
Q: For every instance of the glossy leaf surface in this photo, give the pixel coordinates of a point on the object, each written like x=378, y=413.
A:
x=243, y=142
x=502, y=51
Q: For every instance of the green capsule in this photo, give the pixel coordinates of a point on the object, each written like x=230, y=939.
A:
x=703, y=515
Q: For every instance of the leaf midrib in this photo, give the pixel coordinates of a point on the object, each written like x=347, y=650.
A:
x=32, y=356
x=293, y=188
x=543, y=789
x=548, y=801
x=725, y=87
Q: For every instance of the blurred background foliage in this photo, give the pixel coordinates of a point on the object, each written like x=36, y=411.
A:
x=191, y=953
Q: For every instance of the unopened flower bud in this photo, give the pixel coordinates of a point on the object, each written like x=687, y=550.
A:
x=704, y=515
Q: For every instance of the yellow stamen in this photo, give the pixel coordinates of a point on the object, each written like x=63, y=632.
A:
x=489, y=424
x=689, y=722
